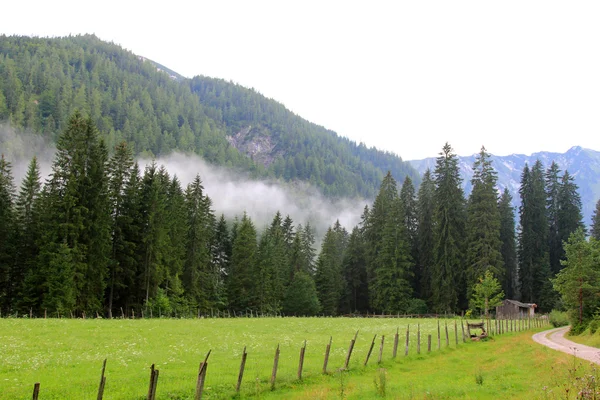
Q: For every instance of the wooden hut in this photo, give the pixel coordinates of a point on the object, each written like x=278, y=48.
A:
x=513, y=309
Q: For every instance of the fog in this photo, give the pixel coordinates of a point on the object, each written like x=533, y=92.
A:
x=19, y=148
x=232, y=193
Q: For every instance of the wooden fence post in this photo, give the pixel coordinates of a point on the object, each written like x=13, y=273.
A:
x=370, y=350
x=381, y=350
x=275, y=364
x=396, y=339
x=301, y=361
x=153, y=383
x=407, y=340
x=428, y=343
x=36, y=391
x=241, y=374
x=350, y=350
x=418, y=338
x=462, y=325
x=102, y=381
x=446, y=328
x=201, y=377
x=439, y=340
x=327, y=350
x=455, y=333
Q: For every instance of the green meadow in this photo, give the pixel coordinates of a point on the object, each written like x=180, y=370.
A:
x=66, y=357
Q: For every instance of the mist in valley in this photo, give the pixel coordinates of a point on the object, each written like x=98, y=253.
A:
x=232, y=193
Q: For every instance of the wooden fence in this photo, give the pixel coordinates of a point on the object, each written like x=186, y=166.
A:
x=494, y=328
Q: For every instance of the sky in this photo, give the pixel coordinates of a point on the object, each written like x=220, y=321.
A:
x=404, y=76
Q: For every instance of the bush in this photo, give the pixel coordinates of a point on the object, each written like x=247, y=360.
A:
x=558, y=318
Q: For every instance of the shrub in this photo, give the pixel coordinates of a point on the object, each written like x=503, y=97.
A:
x=558, y=318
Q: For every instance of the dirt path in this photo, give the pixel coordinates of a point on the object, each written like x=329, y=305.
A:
x=554, y=338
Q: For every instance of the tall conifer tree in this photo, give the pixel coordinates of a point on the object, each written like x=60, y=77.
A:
x=509, y=245
x=483, y=224
x=448, y=275
x=425, y=236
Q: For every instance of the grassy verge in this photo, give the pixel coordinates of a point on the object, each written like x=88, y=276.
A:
x=66, y=357
x=587, y=338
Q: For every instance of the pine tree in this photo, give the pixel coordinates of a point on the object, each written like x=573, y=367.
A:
x=175, y=254
x=8, y=284
x=221, y=257
x=534, y=264
x=76, y=222
x=355, y=274
x=154, y=232
x=241, y=283
x=483, y=224
x=425, y=236
x=411, y=222
x=28, y=220
x=448, y=277
x=509, y=246
x=569, y=211
x=301, y=296
x=328, y=276
x=199, y=237
x=120, y=169
x=552, y=193
x=391, y=290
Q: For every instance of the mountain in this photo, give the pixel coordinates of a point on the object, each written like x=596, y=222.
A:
x=158, y=111
x=583, y=164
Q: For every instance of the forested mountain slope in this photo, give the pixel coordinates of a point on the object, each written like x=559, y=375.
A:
x=157, y=111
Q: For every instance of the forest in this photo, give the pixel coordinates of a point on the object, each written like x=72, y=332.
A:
x=102, y=236
x=156, y=111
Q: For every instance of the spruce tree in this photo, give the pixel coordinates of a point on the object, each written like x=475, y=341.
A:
x=410, y=219
x=301, y=296
x=391, y=290
x=552, y=193
x=241, y=283
x=425, y=236
x=28, y=217
x=483, y=224
x=448, y=275
x=509, y=246
x=196, y=268
x=534, y=263
x=355, y=274
x=8, y=282
x=119, y=169
x=221, y=257
x=570, y=217
x=328, y=276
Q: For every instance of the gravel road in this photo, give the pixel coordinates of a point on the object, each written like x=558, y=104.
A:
x=555, y=339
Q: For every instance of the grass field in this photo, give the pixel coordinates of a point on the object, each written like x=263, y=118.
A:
x=66, y=356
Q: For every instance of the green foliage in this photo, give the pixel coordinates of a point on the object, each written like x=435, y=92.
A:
x=448, y=280
x=483, y=224
x=558, y=318
x=508, y=250
x=157, y=111
x=579, y=281
x=328, y=276
x=534, y=264
x=487, y=293
x=301, y=296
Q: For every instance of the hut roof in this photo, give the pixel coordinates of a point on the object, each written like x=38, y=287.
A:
x=519, y=304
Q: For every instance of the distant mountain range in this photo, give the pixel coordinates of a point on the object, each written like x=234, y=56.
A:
x=583, y=164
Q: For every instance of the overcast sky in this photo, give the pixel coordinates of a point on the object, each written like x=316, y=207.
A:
x=405, y=76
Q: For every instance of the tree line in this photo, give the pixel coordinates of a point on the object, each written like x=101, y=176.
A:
x=101, y=236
